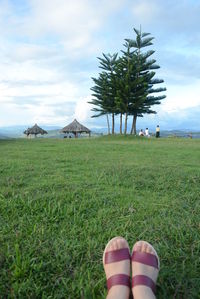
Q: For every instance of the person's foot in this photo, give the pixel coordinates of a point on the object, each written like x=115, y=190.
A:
x=116, y=262
x=145, y=268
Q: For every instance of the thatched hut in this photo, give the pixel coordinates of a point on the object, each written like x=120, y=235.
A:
x=76, y=128
x=35, y=130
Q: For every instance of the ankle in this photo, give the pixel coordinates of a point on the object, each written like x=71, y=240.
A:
x=119, y=292
x=143, y=292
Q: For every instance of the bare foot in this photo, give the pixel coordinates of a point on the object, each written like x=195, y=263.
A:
x=112, y=268
x=143, y=268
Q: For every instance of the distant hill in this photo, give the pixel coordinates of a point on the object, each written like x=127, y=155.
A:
x=180, y=133
x=4, y=137
x=17, y=131
x=54, y=132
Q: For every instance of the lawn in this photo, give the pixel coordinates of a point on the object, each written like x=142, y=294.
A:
x=62, y=200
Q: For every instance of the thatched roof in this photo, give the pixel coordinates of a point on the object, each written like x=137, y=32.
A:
x=35, y=130
x=75, y=127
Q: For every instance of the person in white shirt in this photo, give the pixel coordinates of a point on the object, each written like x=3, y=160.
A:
x=141, y=133
x=147, y=132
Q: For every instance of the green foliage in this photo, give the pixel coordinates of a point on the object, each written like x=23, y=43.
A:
x=128, y=85
x=61, y=201
x=105, y=87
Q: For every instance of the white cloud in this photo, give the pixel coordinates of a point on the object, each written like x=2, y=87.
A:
x=63, y=90
x=40, y=46
x=48, y=49
x=27, y=70
x=31, y=52
x=71, y=23
x=83, y=109
x=181, y=98
x=145, y=10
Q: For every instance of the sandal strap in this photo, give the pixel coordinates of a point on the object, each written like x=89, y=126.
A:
x=145, y=258
x=117, y=255
x=144, y=280
x=118, y=279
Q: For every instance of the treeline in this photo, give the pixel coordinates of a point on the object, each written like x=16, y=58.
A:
x=126, y=85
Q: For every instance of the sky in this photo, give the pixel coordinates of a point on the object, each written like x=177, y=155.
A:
x=49, y=50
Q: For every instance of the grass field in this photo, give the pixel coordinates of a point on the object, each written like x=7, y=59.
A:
x=62, y=200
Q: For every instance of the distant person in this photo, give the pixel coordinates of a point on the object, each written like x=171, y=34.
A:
x=157, y=131
x=141, y=133
x=147, y=132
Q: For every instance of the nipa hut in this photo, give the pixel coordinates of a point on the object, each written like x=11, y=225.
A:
x=35, y=130
x=76, y=128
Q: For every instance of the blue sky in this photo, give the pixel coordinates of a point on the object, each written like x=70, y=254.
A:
x=48, y=53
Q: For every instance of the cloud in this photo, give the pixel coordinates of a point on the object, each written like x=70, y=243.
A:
x=41, y=55
x=72, y=24
x=179, y=67
x=63, y=91
x=168, y=16
x=30, y=112
x=32, y=52
x=83, y=109
x=146, y=10
x=48, y=53
x=185, y=118
x=185, y=97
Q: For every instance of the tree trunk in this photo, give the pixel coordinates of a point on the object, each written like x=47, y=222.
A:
x=131, y=132
x=113, y=123
x=108, y=124
x=133, y=128
x=134, y=123
x=120, y=129
x=125, y=123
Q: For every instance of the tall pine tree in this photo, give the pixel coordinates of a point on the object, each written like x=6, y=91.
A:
x=144, y=78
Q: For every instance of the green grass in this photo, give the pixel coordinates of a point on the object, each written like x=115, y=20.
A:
x=62, y=200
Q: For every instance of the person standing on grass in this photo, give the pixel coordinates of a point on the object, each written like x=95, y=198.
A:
x=157, y=131
x=147, y=132
x=118, y=261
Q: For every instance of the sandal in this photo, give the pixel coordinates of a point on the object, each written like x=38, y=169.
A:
x=149, y=259
x=113, y=257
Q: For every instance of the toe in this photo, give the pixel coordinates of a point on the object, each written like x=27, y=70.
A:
x=144, y=246
x=121, y=243
x=110, y=246
x=116, y=243
x=137, y=246
x=149, y=249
